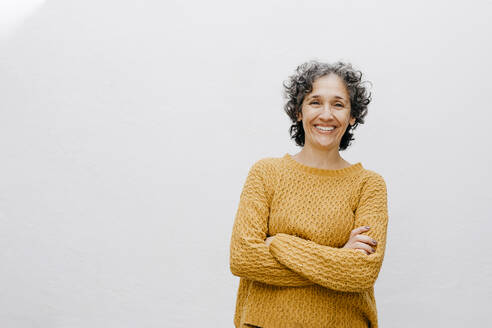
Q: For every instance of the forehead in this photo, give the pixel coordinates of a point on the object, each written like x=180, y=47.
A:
x=330, y=86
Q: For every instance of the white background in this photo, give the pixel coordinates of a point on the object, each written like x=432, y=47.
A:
x=127, y=129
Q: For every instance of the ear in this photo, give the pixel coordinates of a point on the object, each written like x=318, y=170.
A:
x=352, y=120
x=299, y=116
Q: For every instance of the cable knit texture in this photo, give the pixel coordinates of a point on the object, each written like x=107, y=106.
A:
x=304, y=278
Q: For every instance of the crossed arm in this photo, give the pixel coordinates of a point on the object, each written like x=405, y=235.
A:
x=250, y=257
x=293, y=261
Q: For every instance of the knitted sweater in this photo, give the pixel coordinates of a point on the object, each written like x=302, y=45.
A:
x=304, y=278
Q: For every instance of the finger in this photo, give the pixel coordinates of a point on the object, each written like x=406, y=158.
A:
x=365, y=239
x=359, y=230
x=362, y=251
x=364, y=246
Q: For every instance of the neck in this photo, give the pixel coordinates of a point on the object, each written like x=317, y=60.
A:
x=321, y=158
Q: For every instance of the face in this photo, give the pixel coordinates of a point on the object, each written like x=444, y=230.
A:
x=327, y=106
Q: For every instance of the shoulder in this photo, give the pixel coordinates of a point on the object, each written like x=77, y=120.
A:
x=372, y=175
x=266, y=164
x=371, y=179
x=267, y=168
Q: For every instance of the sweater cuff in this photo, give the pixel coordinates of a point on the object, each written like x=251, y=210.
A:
x=278, y=241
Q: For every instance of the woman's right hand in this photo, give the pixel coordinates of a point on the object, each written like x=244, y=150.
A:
x=361, y=242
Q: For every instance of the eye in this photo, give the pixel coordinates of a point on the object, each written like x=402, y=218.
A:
x=314, y=102
x=339, y=104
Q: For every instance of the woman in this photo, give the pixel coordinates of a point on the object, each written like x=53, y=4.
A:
x=309, y=235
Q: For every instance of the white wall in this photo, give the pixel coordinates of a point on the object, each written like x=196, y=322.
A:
x=127, y=129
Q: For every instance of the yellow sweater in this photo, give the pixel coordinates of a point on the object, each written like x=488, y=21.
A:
x=304, y=278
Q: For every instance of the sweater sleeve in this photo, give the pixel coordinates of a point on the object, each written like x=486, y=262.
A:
x=249, y=255
x=341, y=269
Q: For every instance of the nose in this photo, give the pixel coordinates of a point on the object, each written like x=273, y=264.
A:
x=327, y=111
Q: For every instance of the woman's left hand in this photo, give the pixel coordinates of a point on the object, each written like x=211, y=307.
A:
x=269, y=240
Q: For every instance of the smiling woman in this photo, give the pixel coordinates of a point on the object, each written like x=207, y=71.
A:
x=326, y=113
x=309, y=235
x=317, y=86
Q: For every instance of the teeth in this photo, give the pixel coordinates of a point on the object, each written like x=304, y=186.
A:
x=325, y=128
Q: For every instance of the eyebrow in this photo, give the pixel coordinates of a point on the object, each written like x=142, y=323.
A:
x=317, y=96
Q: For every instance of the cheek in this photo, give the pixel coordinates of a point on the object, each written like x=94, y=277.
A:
x=344, y=118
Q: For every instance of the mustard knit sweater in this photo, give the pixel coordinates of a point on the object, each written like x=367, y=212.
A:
x=305, y=278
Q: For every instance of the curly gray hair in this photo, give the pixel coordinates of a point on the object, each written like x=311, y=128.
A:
x=301, y=82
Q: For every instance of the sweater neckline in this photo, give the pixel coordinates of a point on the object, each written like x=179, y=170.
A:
x=323, y=172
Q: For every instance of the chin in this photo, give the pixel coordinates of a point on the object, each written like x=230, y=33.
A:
x=327, y=144
x=325, y=141
x=324, y=146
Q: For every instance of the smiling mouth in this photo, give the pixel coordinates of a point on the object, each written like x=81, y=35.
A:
x=323, y=130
